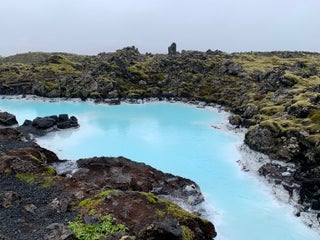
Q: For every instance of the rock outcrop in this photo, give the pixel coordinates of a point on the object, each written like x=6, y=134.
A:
x=42, y=125
x=7, y=119
x=172, y=49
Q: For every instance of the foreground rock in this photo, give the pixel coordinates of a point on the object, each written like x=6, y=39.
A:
x=7, y=119
x=124, y=174
x=128, y=197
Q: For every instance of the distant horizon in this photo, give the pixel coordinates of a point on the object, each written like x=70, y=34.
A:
x=91, y=27
x=179, y=51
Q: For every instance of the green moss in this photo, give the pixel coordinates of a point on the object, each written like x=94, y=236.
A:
x=90, y=204
x=302, y=102
x=278, y=126
x=271, y=110
x=49, y=85
x=160, y=213
x=7, y=171
x=170, y=207
x=187, y=234
x=59, y=65
x=50, y=170
x=27, y=177
x=37, y=179
x=314, y=138
x=293, y=77
x=41, y=158
x=178, y=212
x=252, y=62
x=261, y=62
x=151, y=197
x=85, y=202
x=315, y=117
x=95, y=94
x=46, y=182
x=159, y=76
x=106, y=193
x=136, y=93
x=139, y=71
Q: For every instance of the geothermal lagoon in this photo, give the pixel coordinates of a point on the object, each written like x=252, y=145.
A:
x=179, y=139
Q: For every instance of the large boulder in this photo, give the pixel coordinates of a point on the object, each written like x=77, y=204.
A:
x=124, y=174
x=233, y=69
x=65, y=122
x=272, y=80
x=44, y=122
x=300, y=110
x=7, y=119
x=260, y=139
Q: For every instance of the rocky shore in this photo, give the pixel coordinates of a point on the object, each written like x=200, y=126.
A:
x=101, y=198
x=275, y=95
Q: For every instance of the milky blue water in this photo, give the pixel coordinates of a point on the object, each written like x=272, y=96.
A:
x=179, y=139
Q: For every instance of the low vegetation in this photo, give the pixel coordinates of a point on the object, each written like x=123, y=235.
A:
x=104, y=228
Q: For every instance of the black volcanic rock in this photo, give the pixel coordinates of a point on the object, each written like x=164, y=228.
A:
x=261, y=139
x=43, y=122
x=7, y=119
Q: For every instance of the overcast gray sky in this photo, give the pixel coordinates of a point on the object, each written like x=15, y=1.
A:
x=93, y=26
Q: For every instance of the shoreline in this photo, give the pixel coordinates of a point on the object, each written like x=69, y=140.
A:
x=251, y=161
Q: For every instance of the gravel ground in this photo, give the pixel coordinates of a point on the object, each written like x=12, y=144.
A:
x=13, y=145
x=19, y=221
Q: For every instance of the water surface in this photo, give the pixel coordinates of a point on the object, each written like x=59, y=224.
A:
x=179, y=139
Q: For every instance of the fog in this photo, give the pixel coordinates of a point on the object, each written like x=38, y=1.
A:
x=93, y=26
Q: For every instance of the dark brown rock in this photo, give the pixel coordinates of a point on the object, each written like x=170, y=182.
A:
x=168, y=229
x=7, y=119
x=233, y=69
x=11, y=134
x=44, y=122
x=124, y=174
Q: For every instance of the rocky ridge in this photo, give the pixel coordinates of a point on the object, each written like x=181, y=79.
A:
x=103, y=198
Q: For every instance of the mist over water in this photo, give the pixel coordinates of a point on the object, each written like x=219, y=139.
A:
x=179, y=139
